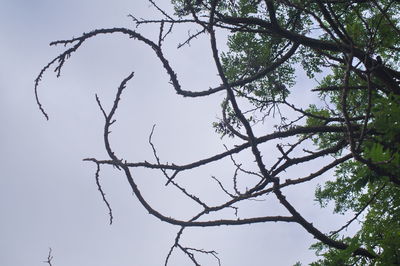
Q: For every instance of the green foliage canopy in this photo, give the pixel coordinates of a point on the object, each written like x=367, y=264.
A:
x=354, y=46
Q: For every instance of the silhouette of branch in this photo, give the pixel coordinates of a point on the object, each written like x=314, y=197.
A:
x=103, y=195
x=347, y=130
x=49, y=258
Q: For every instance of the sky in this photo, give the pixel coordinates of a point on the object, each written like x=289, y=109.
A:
x=48, y=194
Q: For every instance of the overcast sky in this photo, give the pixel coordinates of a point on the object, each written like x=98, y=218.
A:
x=48, y=195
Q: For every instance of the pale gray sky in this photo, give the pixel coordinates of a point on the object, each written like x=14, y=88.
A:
x=48, y=195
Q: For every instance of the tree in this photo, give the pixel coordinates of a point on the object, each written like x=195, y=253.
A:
x=353, y=46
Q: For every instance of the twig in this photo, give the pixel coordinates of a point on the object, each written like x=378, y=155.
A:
x=49, y=258
x=359, y=212
x=103, y=195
